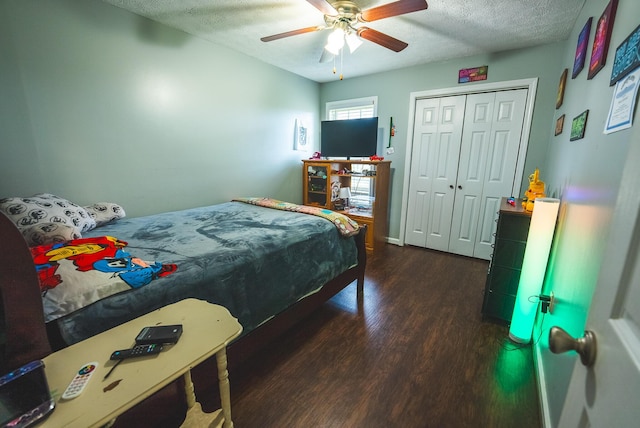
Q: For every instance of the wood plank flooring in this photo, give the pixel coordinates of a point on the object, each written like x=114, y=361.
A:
x=414, y=352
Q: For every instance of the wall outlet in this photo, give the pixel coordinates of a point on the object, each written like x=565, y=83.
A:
x=552, y=302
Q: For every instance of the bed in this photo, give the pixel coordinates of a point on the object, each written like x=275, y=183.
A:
x=270, y=266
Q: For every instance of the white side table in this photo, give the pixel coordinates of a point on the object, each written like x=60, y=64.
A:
x=207, y=329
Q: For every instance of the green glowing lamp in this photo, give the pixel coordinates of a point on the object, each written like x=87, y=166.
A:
x=534, y=266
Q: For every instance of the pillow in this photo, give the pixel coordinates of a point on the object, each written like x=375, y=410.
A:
x=49, y=233
x=105, y=212
x=46, y=208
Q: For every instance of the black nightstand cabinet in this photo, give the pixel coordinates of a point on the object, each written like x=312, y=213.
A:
x=506, y=261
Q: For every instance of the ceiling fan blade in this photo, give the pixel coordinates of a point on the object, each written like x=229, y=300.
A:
x=324, y=7
x=292, y=33
x=392, y=9
x=381, y=39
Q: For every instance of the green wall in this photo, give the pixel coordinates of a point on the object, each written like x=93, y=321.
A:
x=393, y=90
x=99, y=104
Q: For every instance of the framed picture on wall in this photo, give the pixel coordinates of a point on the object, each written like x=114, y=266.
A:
x=600, y=48
x=559, y=125
x=627, y=57
x=300, y=141
x=581, y=49
x=579, y=125
x=561, y=85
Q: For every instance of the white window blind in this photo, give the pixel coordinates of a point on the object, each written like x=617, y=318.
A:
x=351, y=113
x=352, y=109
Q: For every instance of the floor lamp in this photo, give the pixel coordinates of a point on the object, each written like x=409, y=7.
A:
x=534, y=266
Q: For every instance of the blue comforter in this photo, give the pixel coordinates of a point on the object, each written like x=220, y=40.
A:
x=255, y=261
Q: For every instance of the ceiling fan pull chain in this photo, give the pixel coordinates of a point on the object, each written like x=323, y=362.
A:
x=341, y=56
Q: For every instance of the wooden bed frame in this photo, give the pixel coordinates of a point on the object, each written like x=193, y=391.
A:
x=24, y=336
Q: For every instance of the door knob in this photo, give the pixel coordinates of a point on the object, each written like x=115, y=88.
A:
x=586, y=347
x=459, y=187
x=450, y=186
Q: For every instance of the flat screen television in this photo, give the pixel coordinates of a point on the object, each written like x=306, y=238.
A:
x=349, y=138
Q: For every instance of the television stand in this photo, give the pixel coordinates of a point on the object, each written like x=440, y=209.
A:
x=368, y=183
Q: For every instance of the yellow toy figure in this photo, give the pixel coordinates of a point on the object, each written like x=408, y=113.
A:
x=535, y=190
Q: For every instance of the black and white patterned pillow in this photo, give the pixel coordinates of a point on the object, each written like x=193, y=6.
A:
x=46, y=208
x=105, y=212
x=49, y=233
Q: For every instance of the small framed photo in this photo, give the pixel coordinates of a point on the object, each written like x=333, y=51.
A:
x=601, y=40
x=559, y=125
x=581, y=49
x=579, y=125
x=561, y=86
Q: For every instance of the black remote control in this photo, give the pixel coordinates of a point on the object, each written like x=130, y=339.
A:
x=136, y=351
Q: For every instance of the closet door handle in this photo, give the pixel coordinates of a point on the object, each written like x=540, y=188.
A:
x=459, y=187
x=450, y=186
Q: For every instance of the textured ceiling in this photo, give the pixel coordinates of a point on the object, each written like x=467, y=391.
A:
x=447, y=29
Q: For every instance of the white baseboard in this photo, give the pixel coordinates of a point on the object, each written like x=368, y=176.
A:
x=545, y=417
x=394, y=241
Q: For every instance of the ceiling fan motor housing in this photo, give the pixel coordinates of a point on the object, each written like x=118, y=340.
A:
x=347, y=10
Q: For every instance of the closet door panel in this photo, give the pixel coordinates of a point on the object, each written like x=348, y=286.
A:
x=506, y=132
x=422, y=166
x=434, y=163
x=474, y=149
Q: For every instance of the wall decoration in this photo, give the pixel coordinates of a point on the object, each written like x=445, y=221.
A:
x=300, y=141
x=561, y=85
x=627, y=57
x=473, y=74
x=559, y=125
x=581, y=49
x=623, y=103
x=601, y=40
x=579, y=125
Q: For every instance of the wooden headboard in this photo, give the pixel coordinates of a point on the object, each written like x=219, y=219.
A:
x=23, y=335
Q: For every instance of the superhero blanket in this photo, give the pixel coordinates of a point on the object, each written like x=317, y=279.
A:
x=77, y=273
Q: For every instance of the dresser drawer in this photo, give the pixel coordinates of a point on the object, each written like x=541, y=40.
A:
x=514, y=227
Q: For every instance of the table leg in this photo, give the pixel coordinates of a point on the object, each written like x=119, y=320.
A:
x=225, y=393
x=195, y=417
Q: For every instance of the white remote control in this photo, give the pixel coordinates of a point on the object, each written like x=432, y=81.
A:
x=79, y=381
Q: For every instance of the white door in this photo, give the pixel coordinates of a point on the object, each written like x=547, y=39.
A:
x=608, y=394
x=434, y=165
x=464, y=156
x=489, y=152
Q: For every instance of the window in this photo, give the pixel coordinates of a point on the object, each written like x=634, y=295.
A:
x=352, y=109
x=355, y=109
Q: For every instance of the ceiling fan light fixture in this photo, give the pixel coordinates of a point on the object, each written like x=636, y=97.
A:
x=353, y=41
x=335, y=41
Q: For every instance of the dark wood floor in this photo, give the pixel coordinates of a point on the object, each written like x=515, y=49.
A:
x=414, y=353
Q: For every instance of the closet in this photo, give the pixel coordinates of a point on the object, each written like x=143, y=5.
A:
x=463, y=161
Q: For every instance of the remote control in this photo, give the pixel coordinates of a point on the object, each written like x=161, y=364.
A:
x=136, y=351
x=79, y=381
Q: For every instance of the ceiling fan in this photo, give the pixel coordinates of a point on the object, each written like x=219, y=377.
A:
x=345, y=15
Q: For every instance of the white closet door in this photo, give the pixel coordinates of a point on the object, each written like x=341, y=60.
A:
x=489, y=151
x=434, y=164
x=506, y=134
x=476, y=140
